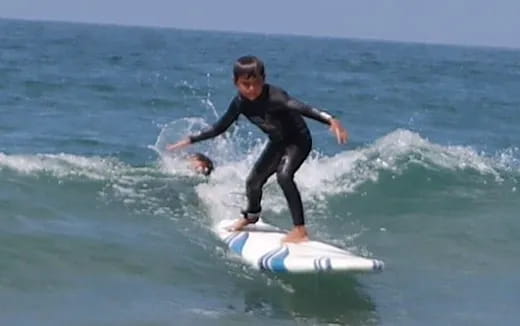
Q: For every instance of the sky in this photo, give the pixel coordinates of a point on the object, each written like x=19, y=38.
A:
x=463, y=22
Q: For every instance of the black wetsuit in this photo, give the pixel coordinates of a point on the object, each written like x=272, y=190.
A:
x=280, y=117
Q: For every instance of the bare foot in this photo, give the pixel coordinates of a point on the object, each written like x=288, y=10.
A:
x=240, y=224
x=297, y=235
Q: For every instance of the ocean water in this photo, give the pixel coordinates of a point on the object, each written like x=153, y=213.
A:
x=100, y=226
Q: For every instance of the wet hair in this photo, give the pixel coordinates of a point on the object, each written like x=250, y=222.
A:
x=248, y=66
x=206, y=160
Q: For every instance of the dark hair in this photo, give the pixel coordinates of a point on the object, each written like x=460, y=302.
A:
x=248, y=66
x=203, y=158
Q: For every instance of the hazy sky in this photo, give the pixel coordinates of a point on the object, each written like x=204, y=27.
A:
x=468, y=22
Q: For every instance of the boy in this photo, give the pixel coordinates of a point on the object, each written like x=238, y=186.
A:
x=280, y=117
x=200, y=163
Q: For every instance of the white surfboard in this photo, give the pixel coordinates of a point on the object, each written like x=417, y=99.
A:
x=260, y=246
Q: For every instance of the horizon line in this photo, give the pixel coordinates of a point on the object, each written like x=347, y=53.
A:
x=293, y=34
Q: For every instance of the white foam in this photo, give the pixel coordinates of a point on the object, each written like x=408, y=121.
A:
x=206, y=312
x=509, y=159
x=130, y=185
x=321, y=176
x=177, y=130
x=61, y=165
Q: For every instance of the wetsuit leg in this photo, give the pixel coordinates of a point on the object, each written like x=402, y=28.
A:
x=291, y=161
x=265, y=166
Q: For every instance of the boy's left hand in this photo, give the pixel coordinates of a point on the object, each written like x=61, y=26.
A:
x=338, y=130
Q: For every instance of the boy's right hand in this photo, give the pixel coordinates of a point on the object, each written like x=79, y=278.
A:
x=181, y=144
x=338, y=131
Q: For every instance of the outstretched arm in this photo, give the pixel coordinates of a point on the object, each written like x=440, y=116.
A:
x=319, y=115
x=309, y=111
x=213, y=131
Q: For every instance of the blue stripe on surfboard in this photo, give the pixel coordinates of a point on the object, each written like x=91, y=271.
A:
x=377, y=265
x=274, y=260
x=230, y=237
x=237, y=242
x=322, y=264
x=263, y=260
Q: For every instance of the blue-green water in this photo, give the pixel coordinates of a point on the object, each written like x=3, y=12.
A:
x=99, y=227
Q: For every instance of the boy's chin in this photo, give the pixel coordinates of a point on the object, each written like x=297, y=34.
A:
x=251, y=98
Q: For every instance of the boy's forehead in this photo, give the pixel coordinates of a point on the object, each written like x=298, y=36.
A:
x=249, y=78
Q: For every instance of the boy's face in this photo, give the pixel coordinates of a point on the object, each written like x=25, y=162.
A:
x=199, y=166
x=250, y=87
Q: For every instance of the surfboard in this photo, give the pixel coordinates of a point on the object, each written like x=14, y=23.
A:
x=260, y=246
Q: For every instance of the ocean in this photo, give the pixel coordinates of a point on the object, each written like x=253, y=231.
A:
x=99, y=225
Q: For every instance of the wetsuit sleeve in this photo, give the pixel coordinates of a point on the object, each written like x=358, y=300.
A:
x=220, y=126
x=308, y=111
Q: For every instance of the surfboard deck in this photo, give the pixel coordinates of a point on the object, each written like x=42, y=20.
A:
x=260, y=246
